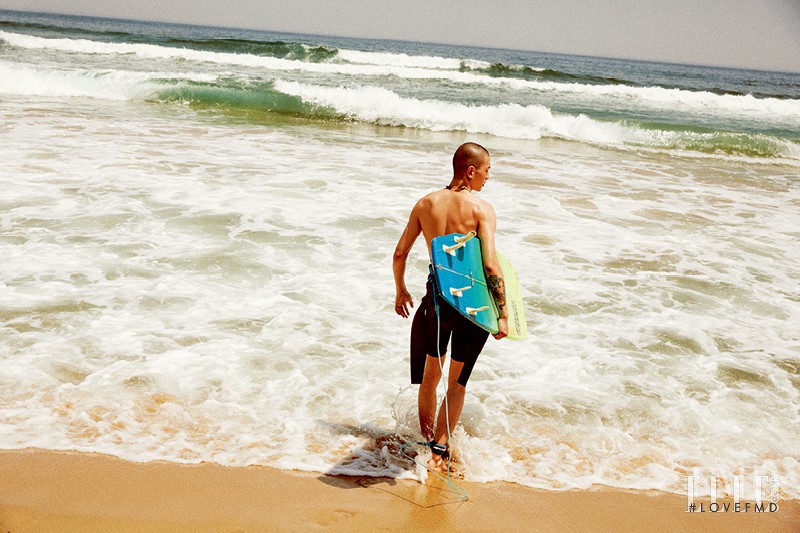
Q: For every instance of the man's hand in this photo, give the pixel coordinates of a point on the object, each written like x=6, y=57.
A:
x=502, y=324
x=402, y=301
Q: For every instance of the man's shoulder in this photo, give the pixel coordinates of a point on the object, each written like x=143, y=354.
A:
x=434, y=194
x=430, y=198
x=482, y=204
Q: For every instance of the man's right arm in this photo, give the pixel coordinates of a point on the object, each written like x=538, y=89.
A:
x=402, y=299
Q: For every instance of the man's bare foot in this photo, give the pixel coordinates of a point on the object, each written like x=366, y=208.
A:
x=435, y=463
x=438, y=454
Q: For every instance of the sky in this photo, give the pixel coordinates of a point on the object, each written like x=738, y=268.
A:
x=760, y=34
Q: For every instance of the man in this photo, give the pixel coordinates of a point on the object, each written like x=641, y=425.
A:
x=450, y=210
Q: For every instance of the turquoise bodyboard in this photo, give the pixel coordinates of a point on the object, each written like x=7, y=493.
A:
x=458, y=269
x=457, y=262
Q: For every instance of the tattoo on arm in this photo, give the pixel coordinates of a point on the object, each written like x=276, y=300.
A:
x=498, y=290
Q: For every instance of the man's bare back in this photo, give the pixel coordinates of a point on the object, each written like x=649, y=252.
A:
x=451, y=211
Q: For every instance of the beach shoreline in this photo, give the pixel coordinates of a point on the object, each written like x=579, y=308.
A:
x=47, y=490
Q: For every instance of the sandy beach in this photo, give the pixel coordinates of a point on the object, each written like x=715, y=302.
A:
x=70, y=491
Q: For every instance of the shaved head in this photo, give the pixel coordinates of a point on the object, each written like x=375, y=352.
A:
x=468, y=154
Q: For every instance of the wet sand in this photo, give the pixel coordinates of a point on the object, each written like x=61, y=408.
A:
x=71, y=491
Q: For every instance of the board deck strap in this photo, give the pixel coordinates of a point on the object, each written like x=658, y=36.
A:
x=457, y=262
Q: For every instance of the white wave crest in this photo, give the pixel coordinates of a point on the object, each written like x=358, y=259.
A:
x=699, y=101
x=24, y=80
x=381, y=106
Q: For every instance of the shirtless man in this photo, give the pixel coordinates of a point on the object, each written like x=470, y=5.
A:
x=450, y=210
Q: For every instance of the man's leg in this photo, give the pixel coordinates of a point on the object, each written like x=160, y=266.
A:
x=426, y=401
x=455, y=403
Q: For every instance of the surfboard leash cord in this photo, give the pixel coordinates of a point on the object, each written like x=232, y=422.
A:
x=457, y=491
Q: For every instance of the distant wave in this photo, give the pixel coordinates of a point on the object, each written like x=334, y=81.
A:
x=501, y=70
x=405, y=60
x=402, y=66
x=15, y=25
x=279, y=49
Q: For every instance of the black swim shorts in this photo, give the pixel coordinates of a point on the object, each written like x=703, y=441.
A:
x=468, y=339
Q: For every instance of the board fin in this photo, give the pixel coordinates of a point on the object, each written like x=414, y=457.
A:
x=461, y=241
x=459, y=292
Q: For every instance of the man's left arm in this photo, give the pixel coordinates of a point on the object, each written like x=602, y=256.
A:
x=493, y=271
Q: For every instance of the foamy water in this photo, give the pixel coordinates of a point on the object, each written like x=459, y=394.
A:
x=189, y=285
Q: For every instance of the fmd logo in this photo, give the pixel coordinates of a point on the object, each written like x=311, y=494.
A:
x=764, y=497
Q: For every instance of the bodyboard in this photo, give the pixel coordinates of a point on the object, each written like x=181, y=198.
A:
x=457, y=262
x=517, y=325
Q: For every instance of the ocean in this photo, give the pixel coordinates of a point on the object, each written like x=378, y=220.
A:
x=197, y=226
